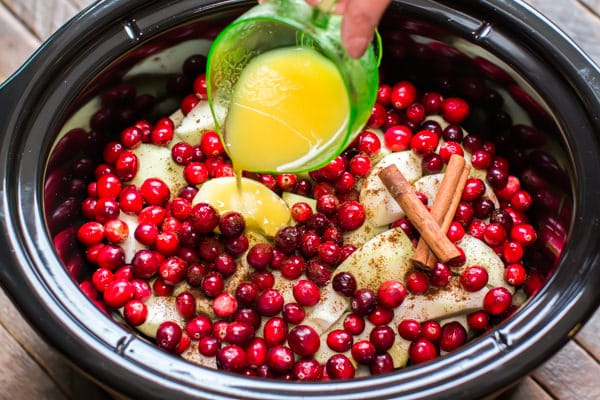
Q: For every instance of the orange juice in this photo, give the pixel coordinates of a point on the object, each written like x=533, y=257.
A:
x=287, y=105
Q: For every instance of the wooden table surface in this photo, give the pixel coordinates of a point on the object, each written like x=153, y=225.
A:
x=30, y=369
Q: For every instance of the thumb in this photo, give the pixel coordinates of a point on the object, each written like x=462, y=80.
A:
x=361, y=17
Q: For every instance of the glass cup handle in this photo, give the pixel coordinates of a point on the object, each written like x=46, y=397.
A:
x=322, y=12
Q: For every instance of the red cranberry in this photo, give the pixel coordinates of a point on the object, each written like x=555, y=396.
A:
x=212, y=284
x=391, y=294
x=306, y=293
x=185, y=303
x=308, y=369
x=199, y=327
x=211, y=144
x=453, y=336
x=417, y=282
x=432, y=163
x=397, y=138
x=293, y=313
x=473, y=190
x=464, y=213
x=263, y=279
x=287, y=239
x=224, y=305
x=455, y=110
x=173, y=270
x=377, y=117
x=512, y=252
x=364, y=352
x=481, y=159
x=239, y=333
x=381, y=315
x=403, y=94
x=275, y=331
x=422, y=350
x=354, y=324
x=382, y=364
x=135, y=312
x=474, y=278
x=304, y=340
x=208, y=346
x=256, y=352
x=497, y=178
x=431, y=330
x=359, y=165
x=232, y=358
x=455, y=232
x=280, y=359
x=478, y=320
x=339, y=340
x=351, y=215
x=339, y=366
x=440, y=275
x=424, y=142
x=515, y=274
x=204, y=218
x=168, y=335
x=269, y=302
x=155, y=192
x=318, y=272
x=110, y=257
x=497, y=300
x=524, y=234
x=382, y=337
x=409, y=329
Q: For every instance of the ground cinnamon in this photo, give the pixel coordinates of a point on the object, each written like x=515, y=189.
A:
x=418, y=214
x=444, y=206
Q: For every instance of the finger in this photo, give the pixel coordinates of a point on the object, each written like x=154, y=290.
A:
x=361, y=17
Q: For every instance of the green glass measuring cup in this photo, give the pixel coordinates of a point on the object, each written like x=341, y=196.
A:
x=278, y=24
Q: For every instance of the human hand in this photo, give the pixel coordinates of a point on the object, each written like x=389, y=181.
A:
x=361, y=17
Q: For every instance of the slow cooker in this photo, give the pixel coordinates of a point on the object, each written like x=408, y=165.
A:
x=509, y=44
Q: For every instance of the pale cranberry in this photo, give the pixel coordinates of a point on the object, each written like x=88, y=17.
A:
x=224, y=305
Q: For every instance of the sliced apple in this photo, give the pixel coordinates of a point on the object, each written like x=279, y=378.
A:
x=197, y=121
x=156, y=162
x=380, y=207
x=264, y=211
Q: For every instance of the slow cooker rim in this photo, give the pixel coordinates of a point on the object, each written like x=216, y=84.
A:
x=67, y=321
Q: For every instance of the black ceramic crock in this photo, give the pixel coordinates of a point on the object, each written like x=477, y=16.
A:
x=101, y=39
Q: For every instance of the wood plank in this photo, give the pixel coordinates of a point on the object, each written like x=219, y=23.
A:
x=42, y=17
x=572, y=374
x=22, y=378
x=593, y=5
x=65, y=377
x=15, y=41
x=525, y=389
x=589, y=336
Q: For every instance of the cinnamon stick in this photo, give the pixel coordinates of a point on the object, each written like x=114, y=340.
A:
x=418, y=214
x=444, y=206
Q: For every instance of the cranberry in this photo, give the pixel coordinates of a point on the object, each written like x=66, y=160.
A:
x=464, y=213
x=448, y=149
x=512, y=253
x=363, y=301
x=224, y=305
x=422, y=350
x=204, y=218
x=185, y=303
x=211, y=144
x=280, y=359
x=232, y=358
x=431, y=330
x=239, y=333
x=155, y=192
x=351, y=215
x=483, y=208
x=90, y=233
x=377, y=117
x=172, y=270
x=455, y=110
x=474, y=278
x=306, y=292
x=481, y=159
x=382, y=337
x=432, y=163
x=327, y=204
x=293, y=313
x=524, y=234
x=256, y=352
x=354, y=324
x=263, y=279
x=382, y=364
x=199, y=327
x=208, y=346
x=318, y=272
x=455, y=232
x=424, y=142
x=497, y=300
x=308, y=369
x=473, y=190
x=269, y=302
x=478, y=320
x=515, y=274
x=409, y=329
x=380, y=315
x=168, y=335
x=101, y=278
x=496, y=177
x=397, y=138
x=160, y=288
x=287, y=239
x=344, y=283
x=135, y=312
x=105, y=210
x=494, y=234
x=111, y=257
x=212, y=284
x=304, y=340
x=384, y=93
x=359, y=165
x=453, y=336
x=403, y=94
x=364, y=352
x=417, y=282
x=301, y=211
x=339, y=340
x=339, y=366
x=334, y=169
x=391, y=294
x=504, y=218
x=440, y=275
